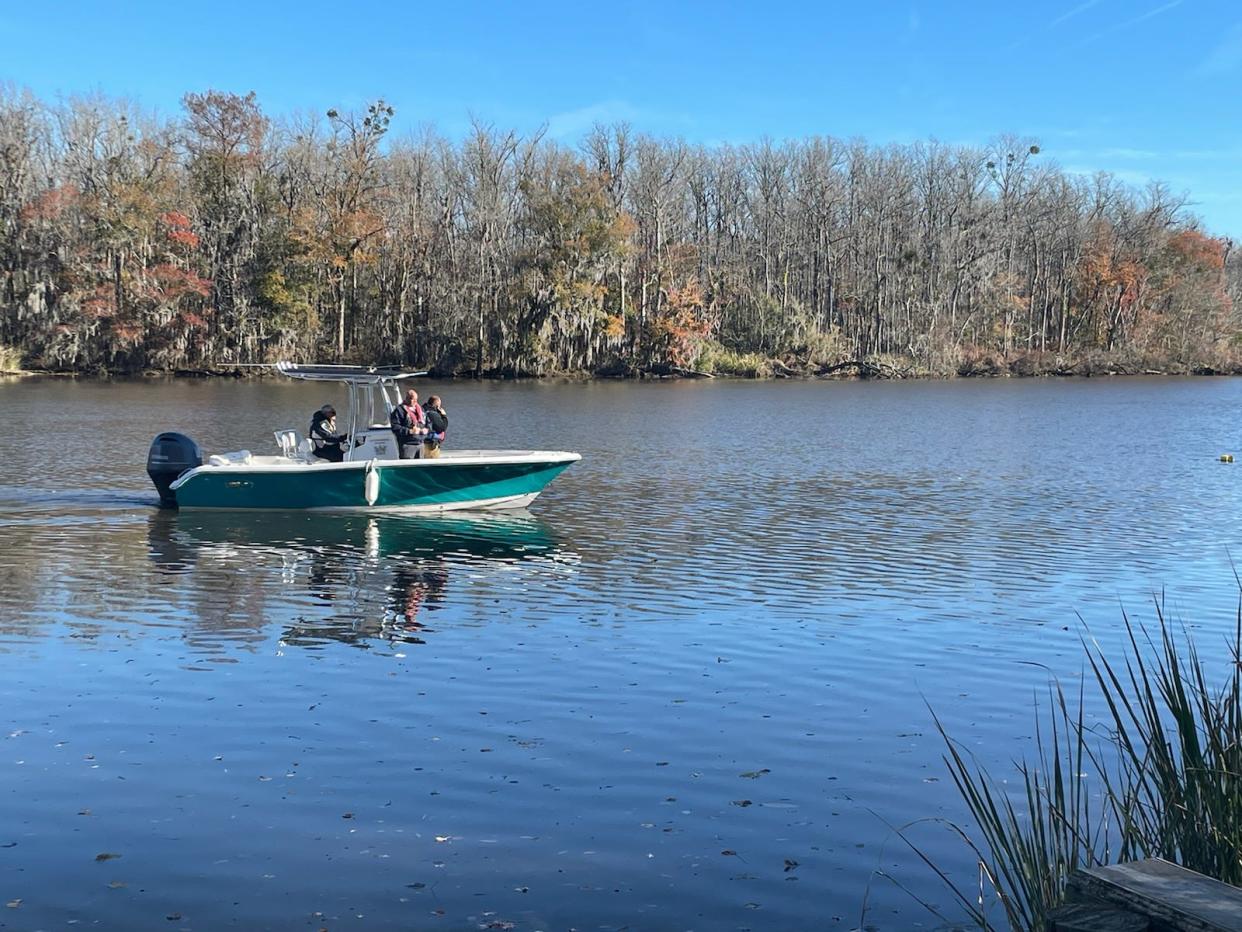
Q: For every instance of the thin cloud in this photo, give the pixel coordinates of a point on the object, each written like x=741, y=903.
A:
x=1137, y=179
x=573, y=123
x=1225, y=57
x=1067, y=15
x=1070, y=14
x=1150, y=13
x=1142, y=17
x=1131, y=154
x=1121, y=152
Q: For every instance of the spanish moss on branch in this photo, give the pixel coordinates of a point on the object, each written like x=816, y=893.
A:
x=222, y=237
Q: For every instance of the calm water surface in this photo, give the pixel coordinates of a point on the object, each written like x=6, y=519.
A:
x=688, y=690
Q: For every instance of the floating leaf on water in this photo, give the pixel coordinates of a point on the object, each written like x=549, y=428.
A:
x=106, y=856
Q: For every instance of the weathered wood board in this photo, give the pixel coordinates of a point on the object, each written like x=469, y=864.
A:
x=1175, y=898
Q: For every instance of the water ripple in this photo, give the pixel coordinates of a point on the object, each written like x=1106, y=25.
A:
x=707, y=651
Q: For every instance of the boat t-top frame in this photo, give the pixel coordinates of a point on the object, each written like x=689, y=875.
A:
x=369, y=401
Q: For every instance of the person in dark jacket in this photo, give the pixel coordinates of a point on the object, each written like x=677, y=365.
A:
x=327, y=443
x=409, y=423
x=437, y=426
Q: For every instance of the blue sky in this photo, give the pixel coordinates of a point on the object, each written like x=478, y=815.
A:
x=1142, y=88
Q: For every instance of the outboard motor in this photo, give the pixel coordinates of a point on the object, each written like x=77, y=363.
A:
x=171, y=455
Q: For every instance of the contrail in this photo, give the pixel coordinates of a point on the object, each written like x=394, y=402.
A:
x=1070, y=14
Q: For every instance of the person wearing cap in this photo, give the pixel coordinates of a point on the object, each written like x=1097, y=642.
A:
x=327, y=443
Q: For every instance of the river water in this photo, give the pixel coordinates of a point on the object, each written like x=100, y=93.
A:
x=689, y=689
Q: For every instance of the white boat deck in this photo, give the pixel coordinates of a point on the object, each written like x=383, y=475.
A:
x=245, y=460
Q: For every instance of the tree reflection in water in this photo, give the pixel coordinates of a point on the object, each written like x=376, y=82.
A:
x=347, y=578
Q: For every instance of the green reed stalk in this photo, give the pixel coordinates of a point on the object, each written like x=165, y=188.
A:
x=1162, y=775
x=1176, y=788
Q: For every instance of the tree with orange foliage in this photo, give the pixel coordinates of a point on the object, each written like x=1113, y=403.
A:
x=1190, y=293
x=675, y=336
x=1108, y=284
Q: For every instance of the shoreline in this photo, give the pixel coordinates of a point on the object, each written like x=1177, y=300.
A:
x=844, y=375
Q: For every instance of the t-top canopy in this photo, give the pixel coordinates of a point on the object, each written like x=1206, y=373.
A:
x=354, y=375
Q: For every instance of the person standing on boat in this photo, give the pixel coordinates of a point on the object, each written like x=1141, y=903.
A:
x=327, y=443
x=437, y=427
x=409, y=423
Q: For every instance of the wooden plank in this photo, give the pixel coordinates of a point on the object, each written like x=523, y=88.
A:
x=1088, y=917
x=1177, y=899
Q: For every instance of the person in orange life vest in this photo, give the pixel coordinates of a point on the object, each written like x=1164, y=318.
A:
x=410, y=425
x=437, y=427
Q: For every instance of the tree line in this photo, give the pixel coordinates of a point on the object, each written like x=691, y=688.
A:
x=223, y=237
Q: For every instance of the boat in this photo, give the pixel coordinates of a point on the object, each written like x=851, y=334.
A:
x=371, y=478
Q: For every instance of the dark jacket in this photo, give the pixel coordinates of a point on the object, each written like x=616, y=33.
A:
x=403, y=426
x=327, y=443
x=438, y=423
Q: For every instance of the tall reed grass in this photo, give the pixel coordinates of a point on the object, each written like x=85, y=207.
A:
x=1158, y=775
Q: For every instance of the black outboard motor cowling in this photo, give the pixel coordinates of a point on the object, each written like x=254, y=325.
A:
x=170, y=455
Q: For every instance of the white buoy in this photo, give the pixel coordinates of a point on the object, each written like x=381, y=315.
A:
x=371, y=485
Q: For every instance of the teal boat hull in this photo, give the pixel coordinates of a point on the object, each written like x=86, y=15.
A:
x=398, y=485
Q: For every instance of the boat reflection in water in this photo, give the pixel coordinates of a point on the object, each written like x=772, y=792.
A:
x=334, y=577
